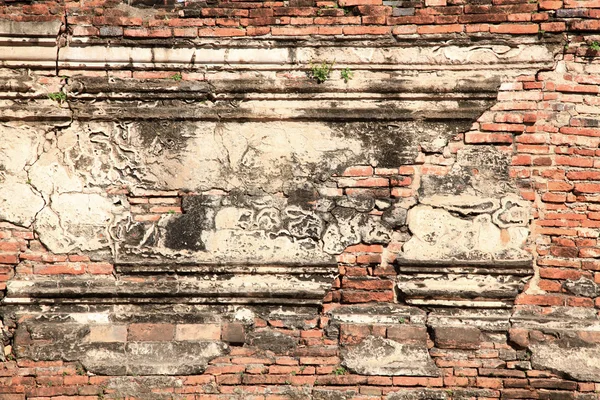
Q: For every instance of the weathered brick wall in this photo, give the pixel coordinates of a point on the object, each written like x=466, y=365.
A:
x=167, y=19
x=186, y=213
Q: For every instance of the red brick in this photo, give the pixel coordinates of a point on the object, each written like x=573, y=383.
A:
x=8, y=258
x=151, y=332
x=553, y=26
x=147, y=33
x=224, y=369
x=437, y=29
x=554, y=197
x=221, y=32
x=583, y=175
x=85, y=31
x=56, y=269
x=345, y=3
x=319, y=360
x=197, y=332
x=480, y=137
x=185, y=32
x=258, y=31
x=294, y=31
x=100, y=268
x=329, y=30
x=337, y=20
x=409, y=381
x=575, y=161
x=75, y=380
x=587, y=187
x=363, y=182
x=541, y=300
x=233, y=333
x=404, y=30
x=490, y=383
x=366, y=30
x=408, y=333
x=374, y=10
x=503, y=127
x=585, y=25
x=352, y=333
x=515, y=29
x=558, y=273
x=367, y=284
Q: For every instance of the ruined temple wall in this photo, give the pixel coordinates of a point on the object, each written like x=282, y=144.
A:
x=187, y=213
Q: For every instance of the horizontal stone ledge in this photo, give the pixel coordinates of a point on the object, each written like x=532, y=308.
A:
x=500, y=294
x=17, y=41
x=306, y=114
x=175, y=312
x=306, y=90
x=322, y=41
x=159, y=288
x=364, y=82
x=281, y=93
x=522, y=263
x=464, y=270
x=277, y=95
x=55, y=115
x=107, y=57
x=292, y=269
x=279, y=110
x=221, y=300
x=459, y=303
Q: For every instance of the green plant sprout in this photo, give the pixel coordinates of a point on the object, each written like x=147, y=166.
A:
x=321, y=72
x=340, y=371
x=595, y=46
x=177, y=77
x=57, y=96
x=346, y=74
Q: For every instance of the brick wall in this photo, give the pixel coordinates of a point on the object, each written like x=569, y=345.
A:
x=155, y=19
x=442, y=245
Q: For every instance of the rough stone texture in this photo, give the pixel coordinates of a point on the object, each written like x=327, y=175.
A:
x=19, y=203
x=417, y=395
x=576, y=362
x=378, y=356
x=440, y=236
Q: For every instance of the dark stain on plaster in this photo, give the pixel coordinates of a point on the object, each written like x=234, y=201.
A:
x=169, y=133
x=184, y=232
x=395, y=143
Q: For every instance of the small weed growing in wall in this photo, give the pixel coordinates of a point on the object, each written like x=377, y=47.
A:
x=57, y=96
x=177, y=77
x=595, y=46
x=402, y=320
x=346, y=74
x=339, y=371
x=320, y=72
